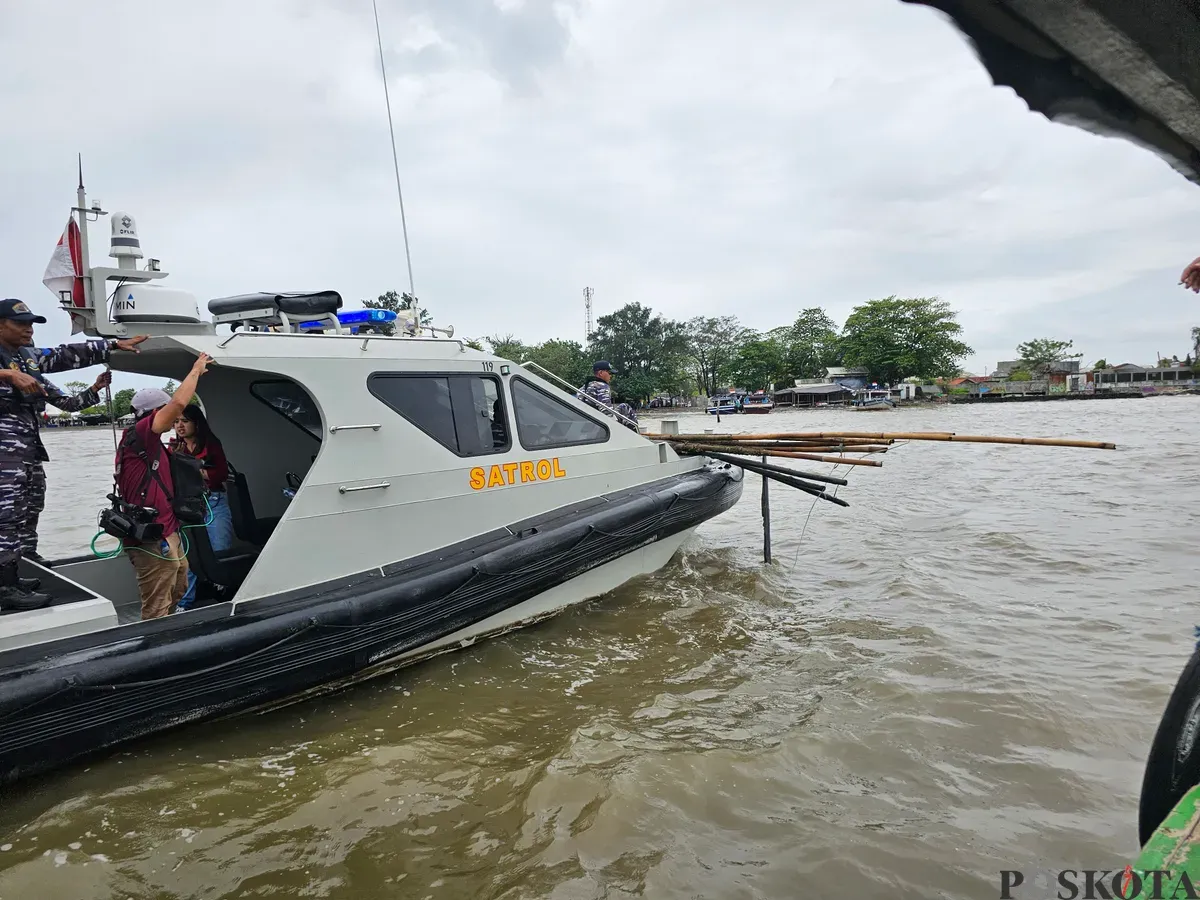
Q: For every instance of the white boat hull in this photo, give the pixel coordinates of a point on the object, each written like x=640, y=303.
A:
x=588, y=586
x=546, y=605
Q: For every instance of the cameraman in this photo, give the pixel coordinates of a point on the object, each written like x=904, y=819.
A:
x=161, y=570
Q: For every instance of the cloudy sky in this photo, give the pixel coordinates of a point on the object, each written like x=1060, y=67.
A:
x=699, y=156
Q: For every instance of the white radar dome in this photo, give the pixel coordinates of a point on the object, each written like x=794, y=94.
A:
x=151, y=303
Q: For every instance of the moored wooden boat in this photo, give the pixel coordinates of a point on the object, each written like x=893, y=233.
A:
x=758, y=403
x=869, y=400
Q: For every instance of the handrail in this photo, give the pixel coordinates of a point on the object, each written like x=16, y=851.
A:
x=363, y=487
x=334, y=429
x=578, y=394
x=462, y=347
x=354, y=337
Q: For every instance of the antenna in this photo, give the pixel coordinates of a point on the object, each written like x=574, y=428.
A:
x=587, y=305
x=395, y=159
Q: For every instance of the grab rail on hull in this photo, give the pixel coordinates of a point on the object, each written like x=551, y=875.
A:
x=344, y=489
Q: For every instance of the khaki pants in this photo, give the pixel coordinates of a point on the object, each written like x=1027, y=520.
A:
x=161, y=582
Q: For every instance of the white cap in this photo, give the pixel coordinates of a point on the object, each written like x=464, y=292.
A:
x=149, y=398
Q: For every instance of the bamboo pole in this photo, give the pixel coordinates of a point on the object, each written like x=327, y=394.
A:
x=837, y=460
x=815, y=442
x=830, y=447
x=802, y=436
x=809, y=446
x=996, y=439
x=1033, y=442
x=781, y=470
x=793, y=448
x=772, y=473
x=948, y=437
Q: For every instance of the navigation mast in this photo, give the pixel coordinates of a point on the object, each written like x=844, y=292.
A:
x=412, y=291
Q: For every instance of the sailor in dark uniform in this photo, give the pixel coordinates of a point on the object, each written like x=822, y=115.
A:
x=598, y=392
x=23, y=395
x=85, y=399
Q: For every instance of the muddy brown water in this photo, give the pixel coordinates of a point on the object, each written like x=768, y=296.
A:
x=959, y=674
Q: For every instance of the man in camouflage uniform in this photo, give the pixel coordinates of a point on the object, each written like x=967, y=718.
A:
x=23, y=394
x=598, y=392
x=37, y=471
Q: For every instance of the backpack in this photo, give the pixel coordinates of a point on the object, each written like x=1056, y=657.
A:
x=188, y=500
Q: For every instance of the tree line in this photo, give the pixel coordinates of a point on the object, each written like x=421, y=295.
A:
x=893, y=338
x=122, y=399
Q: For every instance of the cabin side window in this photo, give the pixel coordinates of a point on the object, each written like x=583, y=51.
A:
x=292, y=402
x=463, y=413
x=544, y=422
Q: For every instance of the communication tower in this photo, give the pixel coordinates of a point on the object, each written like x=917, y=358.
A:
x=587, y=306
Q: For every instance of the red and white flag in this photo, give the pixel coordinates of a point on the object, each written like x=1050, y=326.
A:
x=64, y=272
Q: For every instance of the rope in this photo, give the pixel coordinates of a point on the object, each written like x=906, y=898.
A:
x=112, y=415
x=804, y=530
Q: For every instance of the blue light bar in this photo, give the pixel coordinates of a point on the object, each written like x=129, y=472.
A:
x=366, y=316
x=356, y=317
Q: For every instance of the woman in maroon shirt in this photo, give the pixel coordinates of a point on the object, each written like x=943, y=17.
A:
x=194, y=438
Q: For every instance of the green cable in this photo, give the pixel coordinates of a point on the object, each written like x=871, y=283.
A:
x=185, y=544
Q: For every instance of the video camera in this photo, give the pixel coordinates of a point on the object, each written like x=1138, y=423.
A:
x=127, y=522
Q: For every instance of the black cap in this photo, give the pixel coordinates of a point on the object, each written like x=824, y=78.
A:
x=19, y=312
x=601, y=366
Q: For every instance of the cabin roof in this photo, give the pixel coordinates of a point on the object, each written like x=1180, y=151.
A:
x=172, y=356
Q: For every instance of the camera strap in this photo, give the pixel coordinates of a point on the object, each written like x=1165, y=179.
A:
x=133, y=441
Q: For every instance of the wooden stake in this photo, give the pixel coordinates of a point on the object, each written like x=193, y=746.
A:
x=766, y=514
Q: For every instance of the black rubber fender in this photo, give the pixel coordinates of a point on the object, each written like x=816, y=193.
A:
x=1173, y=766
x=83, y=694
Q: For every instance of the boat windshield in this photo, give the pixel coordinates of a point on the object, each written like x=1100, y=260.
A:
x=291, y=401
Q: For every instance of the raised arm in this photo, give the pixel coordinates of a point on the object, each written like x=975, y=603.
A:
x=1191, y=275
x=164, y=419
x=81, y=401
x=70, y=402
x=66, y=357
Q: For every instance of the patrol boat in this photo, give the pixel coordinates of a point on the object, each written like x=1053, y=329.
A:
x=393, y=497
